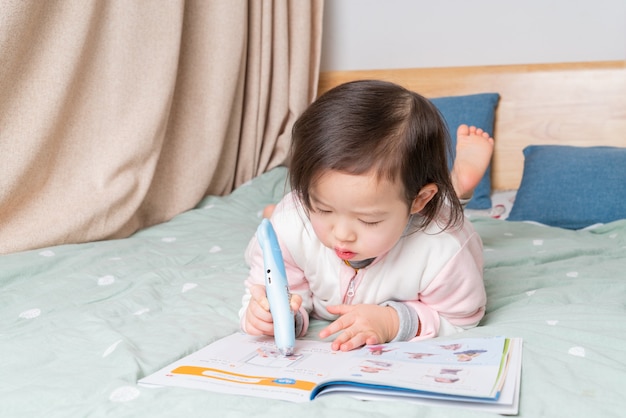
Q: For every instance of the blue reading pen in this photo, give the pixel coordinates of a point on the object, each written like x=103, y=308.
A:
x=277, y=289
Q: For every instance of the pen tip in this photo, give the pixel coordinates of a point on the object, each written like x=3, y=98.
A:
x=286, y=351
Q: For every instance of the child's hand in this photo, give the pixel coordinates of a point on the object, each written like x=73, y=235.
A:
x=258, y=317
x=361, y=324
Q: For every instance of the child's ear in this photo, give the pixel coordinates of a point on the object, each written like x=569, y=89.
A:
x=423, y=197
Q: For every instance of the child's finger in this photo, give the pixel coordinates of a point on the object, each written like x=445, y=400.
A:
x=344, y=343
x=334, y=327
x=259, y=296
x=260, y=312
x=295, y=301
x=340, y=323
x=258, y=321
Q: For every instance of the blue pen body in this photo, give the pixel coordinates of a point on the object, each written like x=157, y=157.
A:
x=277, y=288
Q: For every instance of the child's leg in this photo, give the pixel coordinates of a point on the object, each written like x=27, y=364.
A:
x=474, y=148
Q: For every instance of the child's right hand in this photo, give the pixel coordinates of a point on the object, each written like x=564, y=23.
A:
x=258, y=317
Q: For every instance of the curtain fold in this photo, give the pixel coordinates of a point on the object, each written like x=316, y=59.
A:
x=117, y=115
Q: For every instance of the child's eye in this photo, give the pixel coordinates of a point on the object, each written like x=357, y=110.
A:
x=370, y=223
x=322, y=211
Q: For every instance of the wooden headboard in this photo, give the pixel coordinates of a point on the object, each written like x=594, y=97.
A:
x=580, y=104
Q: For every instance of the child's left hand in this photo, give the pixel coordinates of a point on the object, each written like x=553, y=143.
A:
x=361, y=324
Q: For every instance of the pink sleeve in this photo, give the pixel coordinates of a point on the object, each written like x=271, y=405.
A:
x=295, y=277
x=456, y=295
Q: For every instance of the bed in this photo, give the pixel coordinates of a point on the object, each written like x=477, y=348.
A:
x=81, y=323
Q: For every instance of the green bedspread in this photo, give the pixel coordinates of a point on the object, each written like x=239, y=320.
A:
x=80, y=324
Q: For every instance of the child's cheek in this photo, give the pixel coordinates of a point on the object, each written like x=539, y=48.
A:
x=321, y=229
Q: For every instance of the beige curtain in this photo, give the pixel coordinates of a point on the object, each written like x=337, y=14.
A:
x=119, y=114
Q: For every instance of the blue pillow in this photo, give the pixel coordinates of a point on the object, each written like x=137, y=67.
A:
x=571, y=187
x=477, y=110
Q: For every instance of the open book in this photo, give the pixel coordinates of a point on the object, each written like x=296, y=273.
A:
x=482, y=373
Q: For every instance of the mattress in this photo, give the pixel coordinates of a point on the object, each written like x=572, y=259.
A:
x=80, y=324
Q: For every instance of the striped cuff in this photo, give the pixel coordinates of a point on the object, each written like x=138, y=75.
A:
x=409, y=321
x=299, y=323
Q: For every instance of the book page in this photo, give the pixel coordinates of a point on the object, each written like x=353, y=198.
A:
x=249, y=365
x=244, y=364
x=464, y=367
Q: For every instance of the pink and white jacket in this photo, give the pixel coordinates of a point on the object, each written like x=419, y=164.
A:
x=437, y=274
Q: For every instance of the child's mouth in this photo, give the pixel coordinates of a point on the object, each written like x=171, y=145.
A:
x=344, y=255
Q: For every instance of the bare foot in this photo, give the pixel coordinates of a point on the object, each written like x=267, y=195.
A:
x=474, y=148
x=268, y=210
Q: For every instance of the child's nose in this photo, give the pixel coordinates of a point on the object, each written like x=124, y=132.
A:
x=343, y=232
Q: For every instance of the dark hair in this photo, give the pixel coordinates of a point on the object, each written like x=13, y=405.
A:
x=369, y=125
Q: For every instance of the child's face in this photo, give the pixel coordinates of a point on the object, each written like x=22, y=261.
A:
x=358, y=216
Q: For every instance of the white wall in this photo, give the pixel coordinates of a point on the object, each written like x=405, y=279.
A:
x=372, y=34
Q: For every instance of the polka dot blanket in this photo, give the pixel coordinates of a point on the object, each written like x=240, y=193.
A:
x=80, y=324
